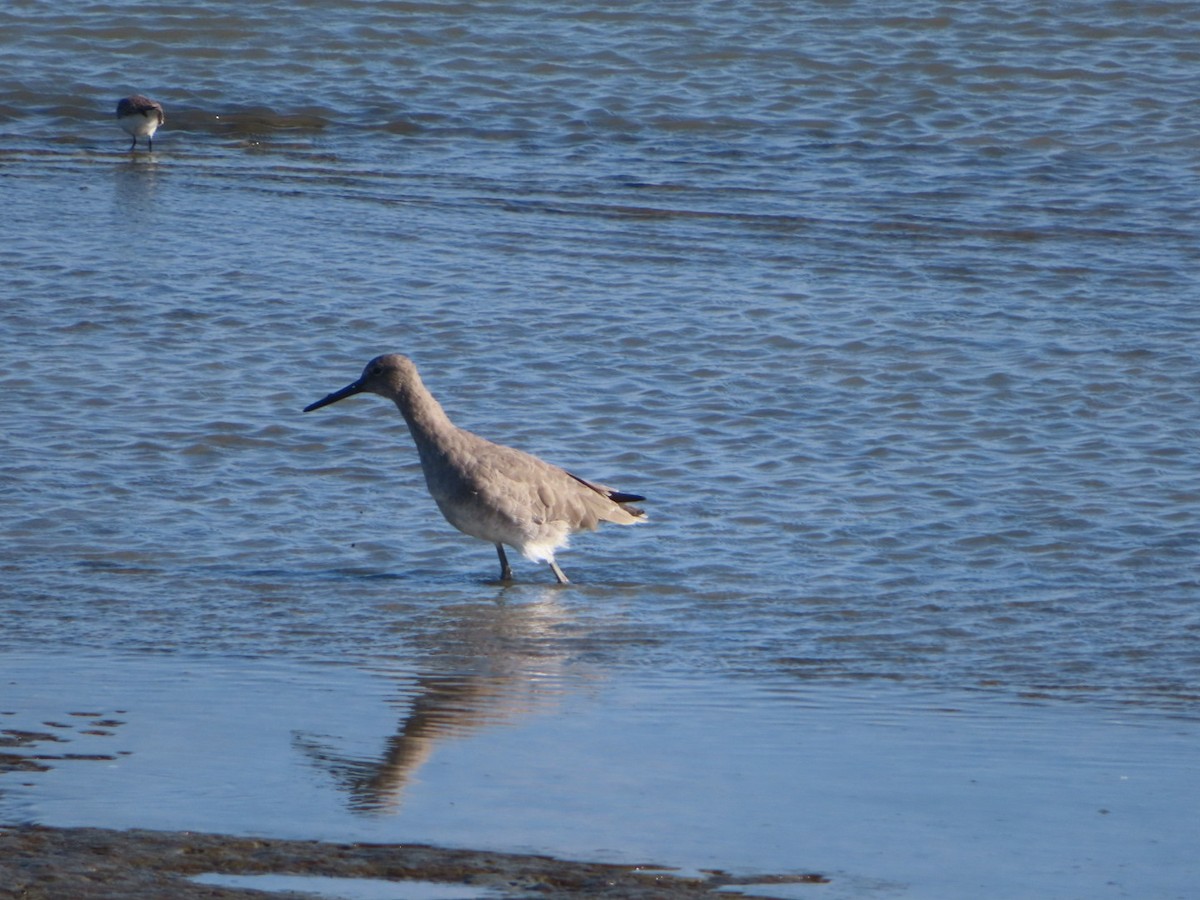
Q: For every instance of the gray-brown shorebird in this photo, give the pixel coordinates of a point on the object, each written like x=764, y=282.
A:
x=492, y=492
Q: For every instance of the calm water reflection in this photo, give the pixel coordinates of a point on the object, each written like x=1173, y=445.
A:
x=887, y=791
x=490, y=668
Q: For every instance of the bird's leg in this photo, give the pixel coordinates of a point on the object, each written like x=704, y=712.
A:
x=505, y=569
x=150, y=144
x=558, y=573
x=133, y=146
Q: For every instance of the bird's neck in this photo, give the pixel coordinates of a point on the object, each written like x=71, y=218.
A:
x=425, y=417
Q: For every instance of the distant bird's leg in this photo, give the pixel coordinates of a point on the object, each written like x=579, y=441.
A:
x=505, y=569
x=150, y=144
x=133, y=146
x=558, y=573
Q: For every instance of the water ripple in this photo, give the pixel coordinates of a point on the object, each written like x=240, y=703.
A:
x=889, y=311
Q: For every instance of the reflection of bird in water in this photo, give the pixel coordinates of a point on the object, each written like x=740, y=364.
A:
x=446, y=706
x=493, y=666
x=492, y=492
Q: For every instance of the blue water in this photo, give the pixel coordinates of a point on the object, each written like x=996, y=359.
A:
x=887, y=791
x=889, y=310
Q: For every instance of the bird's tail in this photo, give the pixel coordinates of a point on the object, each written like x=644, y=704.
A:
x=625, y=513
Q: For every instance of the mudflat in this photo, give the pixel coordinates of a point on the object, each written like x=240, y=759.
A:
x=39, y=863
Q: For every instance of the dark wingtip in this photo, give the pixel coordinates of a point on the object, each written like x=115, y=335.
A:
x=614, y=496
x=618, y=497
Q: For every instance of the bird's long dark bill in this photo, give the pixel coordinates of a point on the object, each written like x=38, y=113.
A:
x=348, y=391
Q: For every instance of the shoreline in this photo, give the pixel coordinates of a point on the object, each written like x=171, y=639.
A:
x=45, y=863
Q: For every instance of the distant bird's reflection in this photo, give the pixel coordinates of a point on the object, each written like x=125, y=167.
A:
x=491, y=664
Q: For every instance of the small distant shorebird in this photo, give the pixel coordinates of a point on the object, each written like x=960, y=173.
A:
x=491, y=492
x=140, y=117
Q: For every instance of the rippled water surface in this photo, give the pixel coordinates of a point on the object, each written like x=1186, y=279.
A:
x=889, y=309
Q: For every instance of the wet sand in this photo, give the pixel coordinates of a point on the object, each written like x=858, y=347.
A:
x=38, y=863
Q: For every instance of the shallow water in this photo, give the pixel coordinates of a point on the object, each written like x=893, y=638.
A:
x=349, y=888
x=887, y=791
x=889, y=310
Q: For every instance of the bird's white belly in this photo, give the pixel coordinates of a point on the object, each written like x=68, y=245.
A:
x=138, y=125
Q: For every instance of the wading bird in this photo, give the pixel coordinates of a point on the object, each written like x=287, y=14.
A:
x=495, y=493
x=140, y=117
